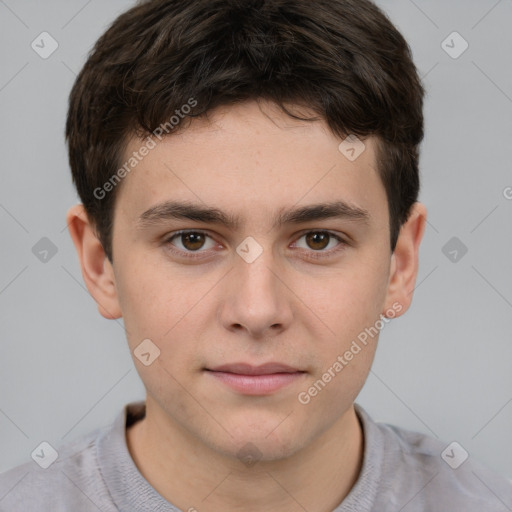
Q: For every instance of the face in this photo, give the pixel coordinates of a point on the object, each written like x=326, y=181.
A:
x=268, y=279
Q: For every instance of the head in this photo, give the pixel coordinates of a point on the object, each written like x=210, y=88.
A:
x=224, y=119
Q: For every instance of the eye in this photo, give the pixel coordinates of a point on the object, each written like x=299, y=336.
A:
x=191, y=241
x=319, y=241
x=196, y=244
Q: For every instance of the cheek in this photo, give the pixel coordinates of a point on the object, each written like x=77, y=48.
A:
x=172, y=311
x=141, y=306
x=153, y=301
x=346, y=300
x=349, y=303
x=347, y=351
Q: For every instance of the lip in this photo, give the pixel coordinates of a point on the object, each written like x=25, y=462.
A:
x=255, y=380
x=248, y=369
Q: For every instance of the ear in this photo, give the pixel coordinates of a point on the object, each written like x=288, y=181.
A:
x=404, y=260
x=97, y=271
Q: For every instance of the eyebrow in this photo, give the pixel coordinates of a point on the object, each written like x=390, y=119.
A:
x=172, y=210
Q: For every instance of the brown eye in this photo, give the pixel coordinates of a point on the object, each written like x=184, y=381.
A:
x=191, y=241
x=320, y=244
x=318, y=240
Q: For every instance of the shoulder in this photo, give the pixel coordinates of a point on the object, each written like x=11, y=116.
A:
x=419, y=472
x=73, y=478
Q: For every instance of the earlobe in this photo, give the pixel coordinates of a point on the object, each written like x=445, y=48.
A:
x=97, y=271
x=404, y=261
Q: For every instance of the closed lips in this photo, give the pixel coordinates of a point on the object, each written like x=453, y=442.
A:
x=247, y=369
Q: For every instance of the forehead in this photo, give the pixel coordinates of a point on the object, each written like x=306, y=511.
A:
x=252, y=156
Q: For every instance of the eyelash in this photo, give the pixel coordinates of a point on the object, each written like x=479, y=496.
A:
x=195, y=255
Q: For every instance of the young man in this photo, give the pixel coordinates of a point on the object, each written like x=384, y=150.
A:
x=249, y=178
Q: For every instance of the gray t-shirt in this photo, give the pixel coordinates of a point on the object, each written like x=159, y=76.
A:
x=402, y=471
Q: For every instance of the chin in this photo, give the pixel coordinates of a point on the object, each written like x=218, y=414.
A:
x=267, y=441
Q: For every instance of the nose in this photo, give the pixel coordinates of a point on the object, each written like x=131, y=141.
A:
x=257, y=300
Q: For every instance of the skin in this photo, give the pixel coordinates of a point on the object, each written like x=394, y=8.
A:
x=250, y=160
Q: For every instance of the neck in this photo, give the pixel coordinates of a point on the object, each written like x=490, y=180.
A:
x=191, y=475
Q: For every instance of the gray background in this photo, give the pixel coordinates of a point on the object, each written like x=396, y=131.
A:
x=443, y=369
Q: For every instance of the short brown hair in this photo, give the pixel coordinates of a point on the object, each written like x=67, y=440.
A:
x=341, y=59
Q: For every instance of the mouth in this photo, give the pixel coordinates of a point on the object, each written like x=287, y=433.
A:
x=255, y=380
